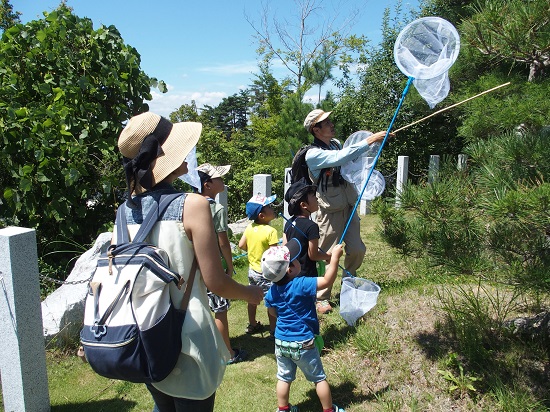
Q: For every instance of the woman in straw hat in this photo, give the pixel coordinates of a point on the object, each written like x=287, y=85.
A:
x=154, y=153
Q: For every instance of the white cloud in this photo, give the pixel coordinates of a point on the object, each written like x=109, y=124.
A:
x=166, y=103
x=231, y=69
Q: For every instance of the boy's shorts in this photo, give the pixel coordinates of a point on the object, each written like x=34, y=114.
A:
x=257, y=279
x=217, y=303
x=308, y=360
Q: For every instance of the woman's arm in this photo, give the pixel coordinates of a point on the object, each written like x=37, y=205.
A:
x=197, y=221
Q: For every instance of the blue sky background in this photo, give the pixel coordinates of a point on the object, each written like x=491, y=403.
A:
x=204, y=49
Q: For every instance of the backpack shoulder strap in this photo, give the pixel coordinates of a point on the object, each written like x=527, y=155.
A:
x=148, y=222
x=157, y=210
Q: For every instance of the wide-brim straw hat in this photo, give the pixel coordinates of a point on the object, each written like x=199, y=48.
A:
x=177, y=145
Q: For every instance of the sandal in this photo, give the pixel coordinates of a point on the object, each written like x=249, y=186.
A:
x=251, y=329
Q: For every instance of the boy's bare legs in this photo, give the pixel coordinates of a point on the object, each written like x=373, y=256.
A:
x=323, y=392
x=283, y=393
x=223, y=326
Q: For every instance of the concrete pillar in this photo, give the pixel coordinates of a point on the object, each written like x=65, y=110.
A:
x=261, y=185
x=462, y=162
x=433, y=168
x=222, y=197
x=402, y=174
x=22, y=352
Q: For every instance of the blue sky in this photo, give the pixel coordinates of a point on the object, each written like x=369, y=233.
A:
x=204, y=49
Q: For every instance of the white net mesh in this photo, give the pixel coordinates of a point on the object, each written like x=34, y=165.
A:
x=425, y=50
x=357, y=171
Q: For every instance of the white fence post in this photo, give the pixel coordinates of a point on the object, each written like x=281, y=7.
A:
x=22, y=353
x=402, y=173
x=433, y=169
x=462, y=162
x=261, y=185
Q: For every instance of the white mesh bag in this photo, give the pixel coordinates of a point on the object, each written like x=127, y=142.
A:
x=425, y=50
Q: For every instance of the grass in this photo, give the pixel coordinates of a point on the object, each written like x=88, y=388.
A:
x=400, y=356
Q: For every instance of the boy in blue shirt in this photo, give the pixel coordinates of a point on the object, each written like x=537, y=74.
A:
x=292, y=300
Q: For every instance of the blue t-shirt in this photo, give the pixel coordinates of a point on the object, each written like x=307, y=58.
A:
x=295, y=304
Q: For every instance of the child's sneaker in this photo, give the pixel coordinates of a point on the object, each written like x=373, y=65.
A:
x=336, y=408
x=292, y=409
x=240, y=355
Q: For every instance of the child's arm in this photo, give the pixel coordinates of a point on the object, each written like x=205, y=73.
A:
x=225, y=248
x=314, y=252
x=242, y=243
x=332, y=268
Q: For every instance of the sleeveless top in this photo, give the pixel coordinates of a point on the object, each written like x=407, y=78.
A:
x=201, y=364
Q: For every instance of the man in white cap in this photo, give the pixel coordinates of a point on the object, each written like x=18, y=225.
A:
x=336, y=196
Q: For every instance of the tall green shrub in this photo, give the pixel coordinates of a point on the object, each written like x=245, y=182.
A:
x=65, y=91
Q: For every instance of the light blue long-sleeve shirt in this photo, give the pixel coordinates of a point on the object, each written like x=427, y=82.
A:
x=318, y=159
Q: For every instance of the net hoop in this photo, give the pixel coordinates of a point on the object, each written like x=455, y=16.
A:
x=426, y=48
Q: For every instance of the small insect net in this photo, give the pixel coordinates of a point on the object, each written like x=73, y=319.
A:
x=425, y=50
x=357, y=170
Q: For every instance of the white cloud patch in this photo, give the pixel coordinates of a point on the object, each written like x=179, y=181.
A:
x=231, y=69
x=166, y=103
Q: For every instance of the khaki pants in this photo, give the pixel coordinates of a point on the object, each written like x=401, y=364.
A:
x=331, y=227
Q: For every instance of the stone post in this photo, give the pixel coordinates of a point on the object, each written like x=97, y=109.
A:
x=261, y=185
x=222, y=198
x=433, y=168
x=402, y=173
x=22, y=353
x=462, y=162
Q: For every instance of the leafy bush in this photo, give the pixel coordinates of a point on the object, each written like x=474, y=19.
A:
x=65, y=91
x=494, y=220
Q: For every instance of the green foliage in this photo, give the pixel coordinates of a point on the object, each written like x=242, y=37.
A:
x=513, y=170
x=371, y=340
x=461, y=384
x=522, y=105
x=474, y=316
x=495, y=217
x=231, y=114
x=512, y=31
x=185, y=113
x=441, y=224
x=65, y=90
x=8, y=17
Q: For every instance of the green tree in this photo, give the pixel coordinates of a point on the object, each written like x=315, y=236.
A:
x=231, y=114
x=185, y=113
x=320, y=70
x=514, y=31
x=298, y=45
x=266, y=93
x=65, y=91
x=8, y=17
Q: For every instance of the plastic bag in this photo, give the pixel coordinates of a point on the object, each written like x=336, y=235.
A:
x=357, y=297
